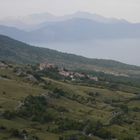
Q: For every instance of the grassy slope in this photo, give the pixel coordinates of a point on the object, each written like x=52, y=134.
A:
x=15, y=51
x=16, y=89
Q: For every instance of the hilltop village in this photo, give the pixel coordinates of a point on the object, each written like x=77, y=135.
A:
x=66, y=73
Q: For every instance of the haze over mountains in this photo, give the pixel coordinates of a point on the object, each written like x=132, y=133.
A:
x=34, y=19
x=79, y=26
x=81, y=33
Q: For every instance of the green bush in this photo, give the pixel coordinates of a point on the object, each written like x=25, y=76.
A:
x=9, y=115
x=35, y=108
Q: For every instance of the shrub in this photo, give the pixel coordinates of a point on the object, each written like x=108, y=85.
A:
x=136, y=109
x=105, y=134
x=124, y=108
x=35, y=108
x=118, y=119
x=92, y=127
x=69, y=124
x=74, y=137
x=16, y=133
x=9, y=115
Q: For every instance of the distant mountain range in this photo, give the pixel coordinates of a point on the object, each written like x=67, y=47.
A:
x=35, y=19
x=79, y=26
x=19, y=52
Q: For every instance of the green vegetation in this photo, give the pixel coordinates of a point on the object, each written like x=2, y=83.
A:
x=42, y=104
x=15, y=51
x=37, y=105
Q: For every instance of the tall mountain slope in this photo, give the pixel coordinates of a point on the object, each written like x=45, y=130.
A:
x=16, y=51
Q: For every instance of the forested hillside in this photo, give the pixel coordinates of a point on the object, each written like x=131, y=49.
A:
x=16, y=51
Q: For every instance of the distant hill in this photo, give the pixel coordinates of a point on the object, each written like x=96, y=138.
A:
x=13, y=32
x=75, y=27
x=38, y=18
x=19, y=52
x=78, y=29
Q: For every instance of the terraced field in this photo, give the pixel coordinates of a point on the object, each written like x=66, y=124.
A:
x=79, y=112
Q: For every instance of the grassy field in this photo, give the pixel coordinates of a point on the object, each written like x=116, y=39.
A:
x=14, y=89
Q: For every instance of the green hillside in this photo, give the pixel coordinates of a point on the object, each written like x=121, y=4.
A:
x=15, y=51
x=44, y=104
x=34, y=106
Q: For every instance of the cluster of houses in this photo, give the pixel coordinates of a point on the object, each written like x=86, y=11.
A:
x=74, y=75
x=67, y=73
x=62, y=71
x=46, y=65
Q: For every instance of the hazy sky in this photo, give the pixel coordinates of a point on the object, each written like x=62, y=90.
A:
x=127, y=9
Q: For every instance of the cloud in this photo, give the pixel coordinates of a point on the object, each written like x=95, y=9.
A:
x=128, y=9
